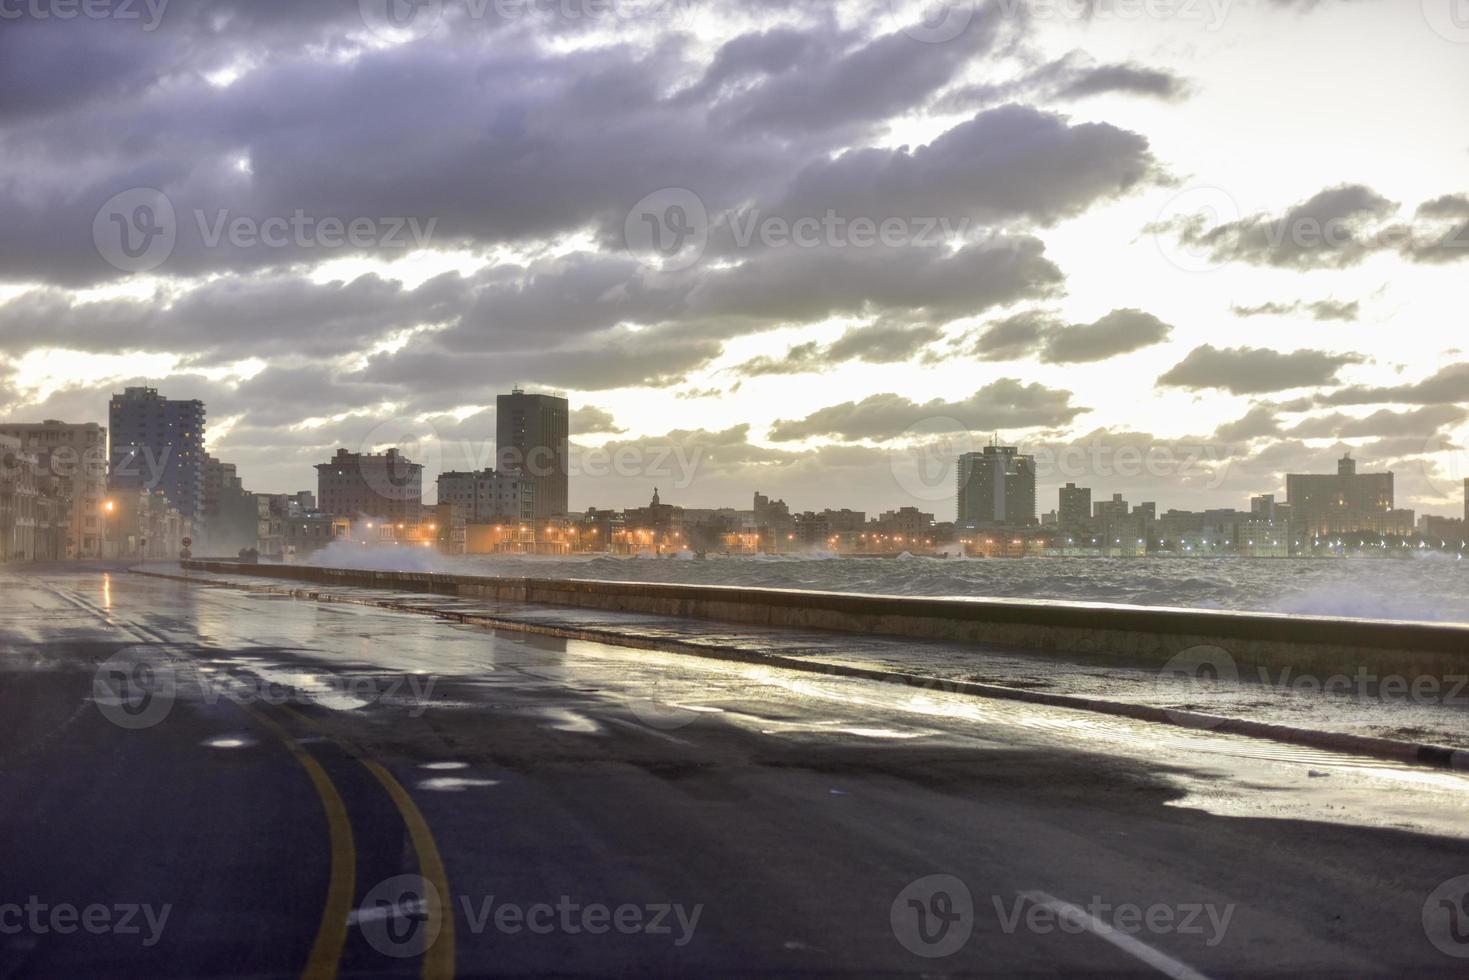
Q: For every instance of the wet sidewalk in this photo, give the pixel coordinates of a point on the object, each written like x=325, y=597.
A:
x=1410, y=710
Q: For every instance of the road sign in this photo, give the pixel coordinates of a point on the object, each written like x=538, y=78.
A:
x=188, y=542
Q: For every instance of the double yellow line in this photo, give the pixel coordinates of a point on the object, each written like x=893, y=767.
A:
x=331, y=934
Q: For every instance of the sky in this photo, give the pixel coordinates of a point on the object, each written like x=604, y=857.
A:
x=1174, y=248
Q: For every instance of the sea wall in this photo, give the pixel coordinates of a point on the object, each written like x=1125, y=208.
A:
x=1316, y=646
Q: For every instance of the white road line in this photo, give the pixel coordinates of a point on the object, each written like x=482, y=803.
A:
x=1159, y=961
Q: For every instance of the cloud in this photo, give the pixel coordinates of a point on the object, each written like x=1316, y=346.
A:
x=1441, y=231
x=1074, y=76
x=1003, y=164
x=1255, y=370
x=882, y=342
x=616, y=358
x=589, y=419
x=1420, y=424
x=1014, y=337
x=1131, y=79
x=1321, y=309
x=233, y=317
x=1116, y=333
x=1119, y=332
x=1335, y=229
x=1261, y=421
x=1003, y=404
x=1332, y=229
x=1448, y=385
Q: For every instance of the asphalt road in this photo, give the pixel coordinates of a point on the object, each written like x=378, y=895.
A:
x=203, y=782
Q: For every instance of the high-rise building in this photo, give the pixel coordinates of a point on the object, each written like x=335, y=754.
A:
x=71, y=475
x=158, y=444
x=386, y=486
x=1074, y=511
x=488, y=497
x=996, y=487
x=531, y=440
x=1347, y=502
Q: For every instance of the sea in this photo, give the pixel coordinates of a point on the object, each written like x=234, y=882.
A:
x=1428, y=587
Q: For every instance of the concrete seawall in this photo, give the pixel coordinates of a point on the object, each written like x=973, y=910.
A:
x=1317, y=647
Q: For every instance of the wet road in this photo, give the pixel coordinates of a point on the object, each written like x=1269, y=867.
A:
x=205, y=782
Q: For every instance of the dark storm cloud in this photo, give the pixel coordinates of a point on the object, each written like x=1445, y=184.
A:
x=556, y=302
x=1447, y=386
x=1255, y=370
x=1004, y=164
x=232, y=317
x=1054, y=342
x=488, y=136
x=1002, y=404
x=489, y=147
x=835, y=85
x=798, y=285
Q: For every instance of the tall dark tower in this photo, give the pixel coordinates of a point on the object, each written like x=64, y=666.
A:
x=157, y=443
x=531, y=433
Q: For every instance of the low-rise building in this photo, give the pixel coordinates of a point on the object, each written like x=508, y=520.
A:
x=70, y=461
x=490, y=496
x=18, y=506
x=309, y=533
x=382, y=486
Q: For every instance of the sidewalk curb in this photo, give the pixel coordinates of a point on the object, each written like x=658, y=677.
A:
x=1435, y=756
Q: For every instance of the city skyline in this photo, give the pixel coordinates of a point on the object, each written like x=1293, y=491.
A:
x=1122, y=278
x=996, y=486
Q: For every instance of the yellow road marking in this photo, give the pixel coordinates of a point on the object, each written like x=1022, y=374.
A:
x=331, y=934
x=438, y=958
